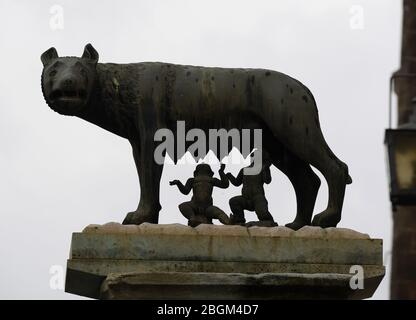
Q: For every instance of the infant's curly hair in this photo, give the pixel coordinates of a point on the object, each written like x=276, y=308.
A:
x=203, y=169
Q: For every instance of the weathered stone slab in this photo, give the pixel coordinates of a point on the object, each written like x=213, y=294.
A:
x=225, y=286
x=270, y=232
x=115, y=261
x=103, y=267
x=145, y=228
x=226, y=243
x=222, y=230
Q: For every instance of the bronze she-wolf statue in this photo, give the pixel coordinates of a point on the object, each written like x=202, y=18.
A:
x=135, y=100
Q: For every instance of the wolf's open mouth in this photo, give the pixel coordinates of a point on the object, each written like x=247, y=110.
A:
x=68, y=95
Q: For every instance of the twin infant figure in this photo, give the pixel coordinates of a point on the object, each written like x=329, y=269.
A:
x=201, y=209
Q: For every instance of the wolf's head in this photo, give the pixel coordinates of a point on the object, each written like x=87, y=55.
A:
x=68, y=82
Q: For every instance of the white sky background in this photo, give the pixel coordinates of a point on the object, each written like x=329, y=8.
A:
x=59, y=174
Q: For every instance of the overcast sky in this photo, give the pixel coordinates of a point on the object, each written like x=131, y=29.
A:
x=59, y=174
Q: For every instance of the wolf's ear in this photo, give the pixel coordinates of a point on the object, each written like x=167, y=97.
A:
x=48, y=55
x=90, y=53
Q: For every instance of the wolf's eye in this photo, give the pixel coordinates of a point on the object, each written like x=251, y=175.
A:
x=52, y=73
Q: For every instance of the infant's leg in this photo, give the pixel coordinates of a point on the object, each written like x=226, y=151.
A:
x=237, y=205
x=261, y=208
x=187, y=210
x=213, y=212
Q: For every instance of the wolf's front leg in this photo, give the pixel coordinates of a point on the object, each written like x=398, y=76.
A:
x=149, y=173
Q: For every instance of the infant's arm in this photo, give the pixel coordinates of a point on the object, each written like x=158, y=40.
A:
x=236, y=181
x=185, y=189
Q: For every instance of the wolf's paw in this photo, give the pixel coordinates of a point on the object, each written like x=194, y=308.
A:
x=139, y=217
x=264, y=223
x=296, y=225
x=327, y=218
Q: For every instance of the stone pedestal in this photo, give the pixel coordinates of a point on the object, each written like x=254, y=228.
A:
x=113, y=261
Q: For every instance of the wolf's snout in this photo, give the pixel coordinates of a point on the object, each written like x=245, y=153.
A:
x=70, y=94
x=68, y=82
x=67, y=89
